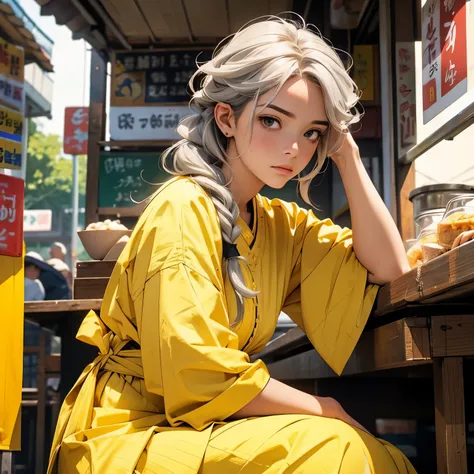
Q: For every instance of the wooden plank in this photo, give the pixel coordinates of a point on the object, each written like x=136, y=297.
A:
x=6, y=462
x=450, y=420
x=61, y=306
x=166, y=19
x=95, y=268
x=139, y=144
x=97, y=106
x=403, y=343
x=90, y=288
x=452, y=335
x=289, y=343
x=445, y=278
x=41, y=409
x=204, y=24
x=133, y=211
x=52, y=364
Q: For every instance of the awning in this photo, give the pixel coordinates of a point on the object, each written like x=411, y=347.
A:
x=16, y=27
x=126, y=24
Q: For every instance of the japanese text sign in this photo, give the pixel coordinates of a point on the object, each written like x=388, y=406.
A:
x=364, y=71
x=146, y=123
x=151, y=77
x=11, y=215
x=12, y=65
x=76, y=129
x=444, y=37
x=11, y=127
x=406, y=96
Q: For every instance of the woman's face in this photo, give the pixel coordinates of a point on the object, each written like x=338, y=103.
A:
x=283, y=137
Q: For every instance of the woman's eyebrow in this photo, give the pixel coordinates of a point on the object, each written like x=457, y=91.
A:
x=292, y=115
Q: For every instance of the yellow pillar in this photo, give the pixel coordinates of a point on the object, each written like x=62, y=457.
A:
x=11, y=350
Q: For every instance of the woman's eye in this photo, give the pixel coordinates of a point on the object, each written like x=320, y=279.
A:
x=313, y=134
x=270, y=122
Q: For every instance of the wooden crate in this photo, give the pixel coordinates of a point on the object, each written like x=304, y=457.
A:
x=92, y=279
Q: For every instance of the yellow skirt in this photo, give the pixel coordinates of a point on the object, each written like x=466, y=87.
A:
x=273, y=444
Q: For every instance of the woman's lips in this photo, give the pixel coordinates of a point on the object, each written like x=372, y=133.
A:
x=283, y=169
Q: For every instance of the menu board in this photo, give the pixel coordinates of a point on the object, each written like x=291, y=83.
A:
x=151, y=77
x=126, y=178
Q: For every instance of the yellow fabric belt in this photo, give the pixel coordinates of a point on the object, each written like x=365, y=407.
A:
x=77, y=409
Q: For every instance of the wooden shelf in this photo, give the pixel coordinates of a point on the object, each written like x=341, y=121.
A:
x=134, y=211
x=447, y=278
x=133, y=144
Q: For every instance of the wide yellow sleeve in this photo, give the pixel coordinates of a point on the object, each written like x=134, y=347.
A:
x=328, y=295
x=190, y=355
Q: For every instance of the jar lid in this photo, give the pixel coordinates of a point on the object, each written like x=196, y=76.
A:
x=440, y=187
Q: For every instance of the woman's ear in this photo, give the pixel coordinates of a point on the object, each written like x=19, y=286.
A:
x=225, y=119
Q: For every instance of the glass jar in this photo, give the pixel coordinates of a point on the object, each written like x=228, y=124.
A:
x=458, y=218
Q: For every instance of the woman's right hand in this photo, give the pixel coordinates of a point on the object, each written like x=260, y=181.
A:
x=333, y=409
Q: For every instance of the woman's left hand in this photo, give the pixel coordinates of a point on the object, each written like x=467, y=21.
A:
x=463, y=238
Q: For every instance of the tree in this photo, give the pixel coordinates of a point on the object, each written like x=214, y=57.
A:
x=49, y=175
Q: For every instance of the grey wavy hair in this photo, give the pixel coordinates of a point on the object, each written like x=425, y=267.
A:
x=259, y=58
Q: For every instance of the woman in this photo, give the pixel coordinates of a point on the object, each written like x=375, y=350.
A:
x=211, y=264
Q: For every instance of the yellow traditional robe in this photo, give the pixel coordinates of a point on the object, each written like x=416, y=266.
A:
x=170, y=371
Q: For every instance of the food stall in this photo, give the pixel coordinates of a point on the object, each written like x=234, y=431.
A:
x=419, y=338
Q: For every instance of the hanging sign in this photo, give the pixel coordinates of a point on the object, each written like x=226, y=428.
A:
x=76, y=130
x=445, y=61
x=12, y=64
x=406, y=96
x=11, y=215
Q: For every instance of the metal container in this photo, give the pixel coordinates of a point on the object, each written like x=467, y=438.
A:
x=436, y=196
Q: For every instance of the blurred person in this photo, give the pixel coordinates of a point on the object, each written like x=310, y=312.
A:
x=63, y=268
x=55, y=284
x=34, y=289
x=58, y=250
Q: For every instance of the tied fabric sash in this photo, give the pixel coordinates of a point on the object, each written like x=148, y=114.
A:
x=77, y=409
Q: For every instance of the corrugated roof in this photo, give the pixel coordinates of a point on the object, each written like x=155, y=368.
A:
x=127, y=24
x=14, y=29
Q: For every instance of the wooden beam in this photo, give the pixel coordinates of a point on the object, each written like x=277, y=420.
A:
x=133, y=211
x=61, y=306
x=140, y=144
x=41, y=410
x=6, y=462
x=450, y=419
x=98, y=90
x=452, y=335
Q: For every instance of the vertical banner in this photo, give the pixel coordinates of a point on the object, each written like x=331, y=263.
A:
x=11, y=215
x=11, y=351
x=76, y=130
x=12, y=65
x=444, y=40
x=406, y=96
x=11, y=127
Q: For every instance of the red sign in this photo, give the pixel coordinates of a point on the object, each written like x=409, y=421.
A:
x=11, y=215
x=454, y=50
x=445, y=66
x=76, y=127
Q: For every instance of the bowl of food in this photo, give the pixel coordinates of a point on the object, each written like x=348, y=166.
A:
x=99, y=237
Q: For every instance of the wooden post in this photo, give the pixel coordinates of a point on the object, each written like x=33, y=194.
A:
x=451, y=454
x=41, y=407
x=6, y=462
x=97, y=114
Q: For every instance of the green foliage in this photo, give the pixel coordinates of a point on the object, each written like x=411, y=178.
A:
x=49, y=175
